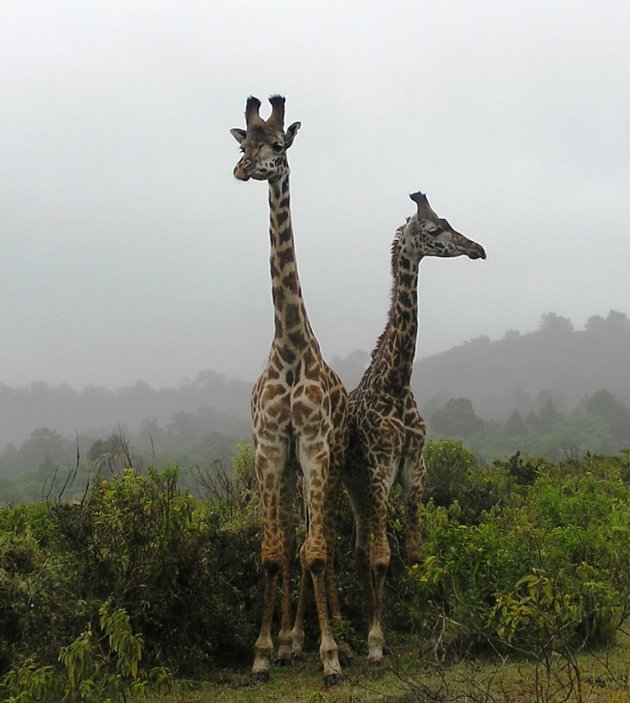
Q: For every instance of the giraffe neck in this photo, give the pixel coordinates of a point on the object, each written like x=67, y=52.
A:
x=292, y=330
x=397, y=348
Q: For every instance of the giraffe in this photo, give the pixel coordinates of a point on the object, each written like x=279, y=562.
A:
x=299, y=415
x=387, y=432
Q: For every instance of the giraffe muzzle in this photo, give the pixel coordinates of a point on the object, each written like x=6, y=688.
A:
x=243, y=170
x=477, y=253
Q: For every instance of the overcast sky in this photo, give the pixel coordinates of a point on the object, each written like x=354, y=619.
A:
x=129, y=251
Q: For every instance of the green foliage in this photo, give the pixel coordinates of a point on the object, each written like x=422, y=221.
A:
x=32, y=684
x=98, y=667
x=457, y=418
x=559, y=612
x=616, y=416
x=35, y=581
x=549, y=565
x=524, y=555
x=234, y=497
x=163, y=556
x=455, y=476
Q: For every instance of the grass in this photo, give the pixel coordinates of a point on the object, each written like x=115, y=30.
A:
x=406, y=678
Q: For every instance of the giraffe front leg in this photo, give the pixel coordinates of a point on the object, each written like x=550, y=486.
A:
x=315, y=466
x=328, y=650
x=285, y=516
x=362, y=511
x=269, y=467
x=297, y=633
x=412, y=480
x=332, y=592
x=379, y=561
x=263, y=649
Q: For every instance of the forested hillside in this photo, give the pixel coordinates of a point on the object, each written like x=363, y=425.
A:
x=510, y=374
x=96, y=410
x=497, y=376
x=551, y=392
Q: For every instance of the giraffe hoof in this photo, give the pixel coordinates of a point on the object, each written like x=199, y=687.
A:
x=332, y=680
x=284, y=661
x=260, y=677
x=375, y=661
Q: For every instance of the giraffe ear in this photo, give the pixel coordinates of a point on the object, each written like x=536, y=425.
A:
x=238, y=134
x=289, y=135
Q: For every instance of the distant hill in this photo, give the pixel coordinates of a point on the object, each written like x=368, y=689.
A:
x=222, y=402
x=520, y=371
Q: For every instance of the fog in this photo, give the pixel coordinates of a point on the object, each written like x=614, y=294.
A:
x=130, y=252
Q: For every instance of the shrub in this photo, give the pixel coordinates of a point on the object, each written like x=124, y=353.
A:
x=165, y=558
x=98, y=667
x=556, y=560
x=37, y=582
x=455, y=476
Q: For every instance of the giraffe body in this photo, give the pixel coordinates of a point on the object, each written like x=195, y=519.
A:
x=299, y=416
x=387, y=432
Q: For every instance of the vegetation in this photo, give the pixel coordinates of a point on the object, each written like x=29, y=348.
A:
x=520, y=371
x=137, y=582
x=601, y=424
x=119, y=579
x=548, y=392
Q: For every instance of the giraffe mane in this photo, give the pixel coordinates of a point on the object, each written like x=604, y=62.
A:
x=395, y=256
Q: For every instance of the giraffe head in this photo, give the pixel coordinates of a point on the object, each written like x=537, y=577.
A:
x=429, y=235
x=264, y=143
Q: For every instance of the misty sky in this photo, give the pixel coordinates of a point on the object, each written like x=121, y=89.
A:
x=129, y=251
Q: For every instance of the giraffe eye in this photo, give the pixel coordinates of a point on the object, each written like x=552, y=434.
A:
x=277, y=147
x=434, y=232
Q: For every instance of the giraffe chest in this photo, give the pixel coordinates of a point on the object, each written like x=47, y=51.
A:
x=291, y=401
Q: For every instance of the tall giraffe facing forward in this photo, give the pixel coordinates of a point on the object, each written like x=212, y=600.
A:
x=387, y=432
x=299, y=410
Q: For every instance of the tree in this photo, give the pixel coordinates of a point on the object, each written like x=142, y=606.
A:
x=555, y=324
x=515, y=425
x=111, y=454
x=458, y=418
x=548, y=415
x=618, y=319
x=44, y=444
x=615, y=415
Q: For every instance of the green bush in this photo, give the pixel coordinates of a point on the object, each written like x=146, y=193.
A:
x=455, y=476
x=557, y=559
x=523, y=554
x=38, y=610
x=165, y=558
x=98, y=667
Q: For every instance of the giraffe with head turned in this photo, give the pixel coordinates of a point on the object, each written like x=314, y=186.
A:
x=387, y=432
x=299, y=413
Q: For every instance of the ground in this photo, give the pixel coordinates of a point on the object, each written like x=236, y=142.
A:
x=403, y=678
